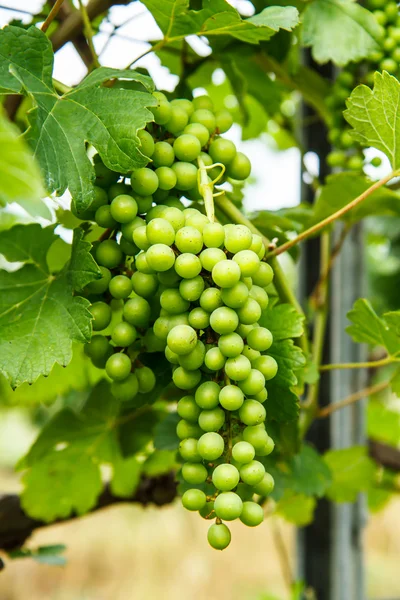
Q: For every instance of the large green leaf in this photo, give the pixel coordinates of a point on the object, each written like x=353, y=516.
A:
x=61, y=126
x=296, y=508
x=283, y=321
x=368, y=328
x=39, y=316
x=375, y=117
x=340, y=30
x=352, y=472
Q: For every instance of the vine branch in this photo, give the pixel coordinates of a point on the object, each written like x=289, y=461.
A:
x=368, y=391
x=373, y=364
x=52, y=15
x=88, y=31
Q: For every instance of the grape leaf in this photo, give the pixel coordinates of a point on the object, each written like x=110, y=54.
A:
x=283, y=321
x=160, y=463
x=375, y=117
x=368, y=328
x=126, y=476
x=383, y=423
x=219, y=18
x=328, y=25
x=283, y=404
x=19, y=174
x=39, y=316
x=106, y=117
x=296, y=508
x=165, y=437
x=82, y=267
x=352, y=472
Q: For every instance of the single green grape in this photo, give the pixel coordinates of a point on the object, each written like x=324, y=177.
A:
x=174, y=216
x=214, y=359
x=166, y=178
x=225, y=477
x=187, y=147
x=219, y=536
x=184, y=430
x=199, y=131
x=177, y=121
x=194, y=473
x=146, y=379
x=231, y=398
x=99, y=350
x=253, y=384
x=118, y=366
x=204, y=117
x=222, y=150
x=120, y=286
x=260, y=338
x=101, y=313
x=104, y=218
x=163, y=155
x=238, y=368
x=267, y=365
x=104, y=176
x=243, y=452
x=123, y=334
x=210, y=446
x=252, y=514
x=172, y=301
x=252, y=473
x=248, y=262
x=264, y=276
x=209, y=257
x=228, y=506
x=188, y=449
x=223, y=120
x=237, y=238
x=214, y=235
x=188, y=409
x=250, y=312
x=162, y=111
x=260, y=296
x=127, y=389
x=203, y=101
x=207, y=395
x=194, y=499
x=99, y=286
x=256, y=436
x=182, y=339
x=230, y=345
x=224, y=320
x=160, y=257
x=144, y=181
x=212, y=420
x=199, y=318
x=188, y=265
x=189, y=239
x=146, y=142
x=109, y=254
x=191, y=289
x=239, y=167
x=235, y=296
x=252, y=413
x=137, y=312
x=186, y=175
x=194, y=360
x=265, y=486
x=160, y=231
x=184, y=104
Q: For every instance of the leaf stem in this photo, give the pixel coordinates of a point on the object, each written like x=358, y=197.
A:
x=51, y=16
x=332, y=218
x=368, y=391
x=88, y=31
x=373, y=364
x=61, y=87
x=154, y=48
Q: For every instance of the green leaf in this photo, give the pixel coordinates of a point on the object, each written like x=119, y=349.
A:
x=374, y=116
x=219, y=18
x=61, y=126
x=165, y=437
x=282, y=403
x=160, y=463
x=342, y=188
x=296, y=508
x=368, y=328
x=327, y=24
x=137, y=431
x=383, y=422
x=39, y=316
x=20, y=177
x=126, y=476
x=82, y=268
x=283, y=321
x=352, y=472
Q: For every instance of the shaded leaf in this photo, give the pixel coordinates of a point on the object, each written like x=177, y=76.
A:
x=282, y=403
x=283, y=321
x=368, y=328
x=296, y=508
x=352, y=472
x=165, y=437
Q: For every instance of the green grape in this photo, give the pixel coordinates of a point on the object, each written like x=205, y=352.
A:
x=253, y=384
x=248, y=282
x=266, y=485
x=212, y=420
x=104, y=176
x=104, y=218
x=245, y=492
x=184, y=430
x=160, y=197
x=228, y=506
x=260, y=339
x=137, y=312
x=267, y=365
x=99, y=286
x=186, y=175
x=224, y=320
x=237, y=238
x=223, y=120
x=146, y=142
x=257, y=244
x=231, y=398
x=163, y=155
x=173, y=302
x=118, y=189
x=252, y=473
x=210, y=257
x=160, y=231
x=182, y=339
x=204, y=117
x=248, y=262
x=144, y=181
x=219, y=536
x=99, y=349
x=127, y=229
x=194, y=499
x=101, y=314
x=199, y=131
x=160, y=257
x=377, y=161
x=169, y=278
x=252, y=413
x=247, y=351
x=395, y=33
x=261, y=396
x=256, y=436
x=355, y=163
x=235, y=296
x=174, y=216
x=263, y=276
x=260, y=296
x=118, y=366
x=166, y=178
x=194, y=473
x=177, y=121
x=207, y=394
x=144, y=284
x=142, y=265
x=184, y=104
x=337, y=158
x=250, y=312
x=214, y=235
x=252, y=514
x=162, y=326
x=162, y=111
x=187, y=147
x=194, y=359
x=267, y=449
x=202, y=102
x=123, y=334
x=392, y=11
x=188, y=448
x=188, y=265
x=189, y=239
x=128, y=248
x=210, y=446
x=243, y=452
x=214, y=359
x=238, y=368
x=198, y=221
x=225, y=477
x=191, y=289
x=144, y=203
x=199, y=318
x=187, y=409
x=146, y=379
x=230, y=345
x=109, y=254
x=222, y=151
x=120, y=286
x=239, y=168
x=125, y=390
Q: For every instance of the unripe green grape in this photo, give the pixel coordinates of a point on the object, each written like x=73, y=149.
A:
x=137, y=312
x=214, y=359
x=214, y=235
x=376, y=161
x=222, y=150
x=195, y=358
x=226, y=273
x=198, y=221
x=104, y=218
x=267, y=449
x=146, y=379
x=239, y=168
x=142, y=265
x=219, y=536
x=266, y=485
x=252, y=413
x=247, y=351
x=224, y=320
x=163, y=155
x=395, y=33
x=139, y=237
x=187, y=265
x=252, y=473
x=256, y=436
x=243, y=452
x=194, y=499
x=189, y=239
x=248, y=282
x=199, y=318
x=177, y=121
x=191, y=289
x=146, y=142
x=127, y=389
x=260, y=338
x=144, y=284
x=144, y=181
x=230, y=345
x=187, y=147
x=210, y=446
x=248, y=262
x=355, y=163
x=120, y=286
x=104, y=176
x=199, y=131
x=127, y=229
x=109, y=254
x=99, y=349
x=118, y=366
x=245, y=492
x=182, y=339
x=392, y=11
x=117, y=189
x=237, y=238
x=207, y=394
x=235, y=296
x=203, y=101
x=186, y=175
x=159, y=198
x=260, y=296
x=188, y=448
x=225, y=477
x=261, y=396
x=337, y=158
x=187, y=409
x=162, y=326
x=204, y=117
x=250, y=312
x=231, y=397
x=184, y=104
x=252, y=514
x=99, y=286
x=223, y=120
x=207, y=512
x=267, y=365
x=160, y=231
x=169, y=278
x=175, y=217
x=184, y=430
x=212, y=420
x=101, y=313
x=162, y=111
x=210, y=257
x=128, y=248
x=238, y=368
x=160, y=257
x=123, y=334
x=173, y=302
x=228, y=506
x=194, y=473
x=166, y=178
x=253, y=384
x=263, y=276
